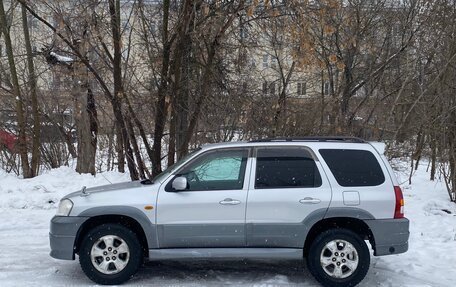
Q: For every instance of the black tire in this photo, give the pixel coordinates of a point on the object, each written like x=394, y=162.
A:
x=318, y=246
x=133, y=263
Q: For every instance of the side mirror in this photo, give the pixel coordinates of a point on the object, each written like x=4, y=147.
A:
x=180, y=183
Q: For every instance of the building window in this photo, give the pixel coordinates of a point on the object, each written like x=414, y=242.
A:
x=272, y=88
x=265, y=60
x=243, y=33
x=252, y=63
x=265, y=88
x=244, y=87
x=301, y=89
x=153, y=28
x=269, y=88
x=56, y=81
x=326, y=88
x=32, y=22
x=273, y=62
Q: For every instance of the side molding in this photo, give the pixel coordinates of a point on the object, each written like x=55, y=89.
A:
x=225, y=253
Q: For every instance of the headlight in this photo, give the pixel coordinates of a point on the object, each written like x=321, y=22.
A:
x=65, y=207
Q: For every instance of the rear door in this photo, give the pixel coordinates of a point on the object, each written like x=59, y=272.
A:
x=288, y=184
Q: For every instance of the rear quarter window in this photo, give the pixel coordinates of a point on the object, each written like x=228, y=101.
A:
x=353, y=167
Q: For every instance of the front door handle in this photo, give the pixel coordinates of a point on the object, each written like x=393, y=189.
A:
x=229, y=201
x=309, y=200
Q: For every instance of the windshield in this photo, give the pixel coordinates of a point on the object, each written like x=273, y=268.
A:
x=168, y=171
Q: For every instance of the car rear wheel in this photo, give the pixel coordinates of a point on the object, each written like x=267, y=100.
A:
x=110, y=254
x=338, y=257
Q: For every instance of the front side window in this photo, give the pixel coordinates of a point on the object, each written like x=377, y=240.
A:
x=216, y=170
x=353, y=167
x=285, y=167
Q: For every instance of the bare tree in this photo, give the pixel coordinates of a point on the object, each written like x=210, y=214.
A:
x=16, y=92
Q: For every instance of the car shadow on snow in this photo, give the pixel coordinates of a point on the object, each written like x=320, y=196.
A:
x=226, y=273
x=218, y=272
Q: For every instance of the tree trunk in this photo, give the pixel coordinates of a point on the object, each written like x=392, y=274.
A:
x=137, y=153
x=433, y=155
x=207, y=78
x=123, y=139
x=205, y=90
x=172, y=134
x=35, y=164
x=119, y=148
x=281, y=101
x=21, y=120
x=140, y=126
x=161, y=114
x=116, y=102
x=93, y=123
x=183, y=93
x=175, y=92
x=85, y=116
x=419, y=148
x=110, y=160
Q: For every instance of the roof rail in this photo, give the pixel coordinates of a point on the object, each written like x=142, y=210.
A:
x=318, y=139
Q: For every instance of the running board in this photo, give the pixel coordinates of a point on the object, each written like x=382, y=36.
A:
x=225, y=253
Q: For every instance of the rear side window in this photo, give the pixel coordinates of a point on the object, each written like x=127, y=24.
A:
x=285, y=168
x=353, y=167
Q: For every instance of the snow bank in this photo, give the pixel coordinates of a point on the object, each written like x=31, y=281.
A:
x=45, y=191
x=432, y=243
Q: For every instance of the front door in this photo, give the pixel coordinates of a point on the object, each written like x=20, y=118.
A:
x=211, y=211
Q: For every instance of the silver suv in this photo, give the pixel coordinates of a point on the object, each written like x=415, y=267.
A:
x=318, y=199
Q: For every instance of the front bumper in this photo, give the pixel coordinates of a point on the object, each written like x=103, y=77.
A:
x=390, y=235
x=62, y=235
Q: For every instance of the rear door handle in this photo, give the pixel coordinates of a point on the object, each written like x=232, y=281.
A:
x=309, y=200
x=229, y=201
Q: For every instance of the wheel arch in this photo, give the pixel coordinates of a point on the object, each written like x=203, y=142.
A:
x=129, y=217
x=356, y=225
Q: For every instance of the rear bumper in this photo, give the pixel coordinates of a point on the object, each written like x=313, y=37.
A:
x=390, y=235
x=63, y=234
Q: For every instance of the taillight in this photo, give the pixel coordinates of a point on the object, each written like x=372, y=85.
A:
x=399, y=209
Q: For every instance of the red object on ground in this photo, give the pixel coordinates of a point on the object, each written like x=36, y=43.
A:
x=8, y=139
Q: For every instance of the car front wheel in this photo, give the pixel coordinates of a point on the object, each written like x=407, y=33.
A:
x=338, y=257
x=110, y=254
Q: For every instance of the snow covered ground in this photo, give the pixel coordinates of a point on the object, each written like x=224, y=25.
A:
x=26, y=206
